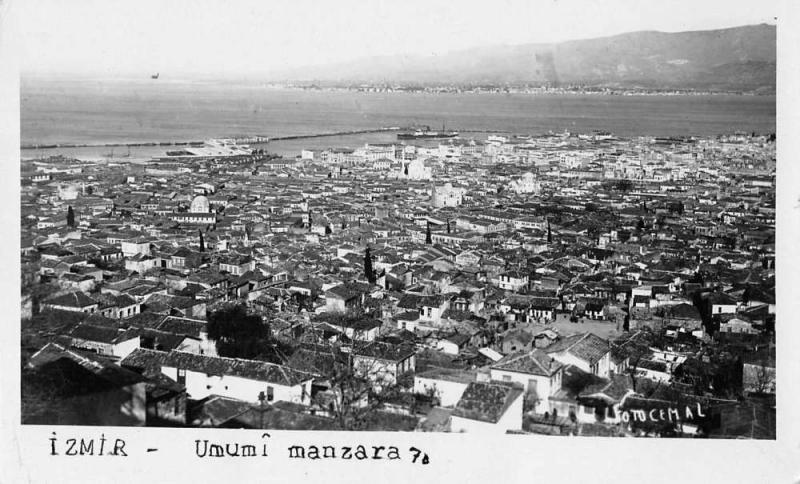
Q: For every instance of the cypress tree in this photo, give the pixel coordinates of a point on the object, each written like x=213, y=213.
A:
x=428, y=234
x=202, y=242
x=70, y=216
x=368, y=272
x=549, y=233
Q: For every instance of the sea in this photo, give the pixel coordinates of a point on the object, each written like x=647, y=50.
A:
x=113, y=112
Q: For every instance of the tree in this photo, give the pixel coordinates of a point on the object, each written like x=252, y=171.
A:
x=238, y=333
x=549, y=233
x=448, y=226
x=328, y=230
x=70, y=216
x=624, y=185
x=355, y=385
x=428, y=234
x=369, y=273
x=202, y=242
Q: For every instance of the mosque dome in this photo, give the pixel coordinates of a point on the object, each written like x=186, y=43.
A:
x=200, y=205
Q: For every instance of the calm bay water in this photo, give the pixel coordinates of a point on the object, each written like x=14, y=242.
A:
x=156, y=111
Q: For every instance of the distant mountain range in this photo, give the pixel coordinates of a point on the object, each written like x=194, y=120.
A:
x=738, y=58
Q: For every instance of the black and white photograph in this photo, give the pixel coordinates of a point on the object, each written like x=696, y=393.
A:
x=542, y=222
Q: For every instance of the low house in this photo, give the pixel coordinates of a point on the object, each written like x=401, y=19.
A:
x=65, y=387
x=511, y=281
x=383, y=363
x=431, y=308
x=73, y=301
x=104, y=340
x=736, y=325
x=537, y=373
x=237, y=265
x=453, y=343
x=543, y=308
x=514, y=340
x=361, y=329
x=166, y=399
x=446, y=385
x=683, y=315
x=345, y=297
x=238, y=378
x=135, y=246
x=587, y=351
x=193, y=328
x=79, y=282
x=488, y=408
x=722, y=304
x=118, y=307
x=140, y=263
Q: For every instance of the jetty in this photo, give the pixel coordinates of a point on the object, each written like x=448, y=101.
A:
x=256, y=139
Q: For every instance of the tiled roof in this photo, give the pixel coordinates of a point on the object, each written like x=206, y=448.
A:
x=190, y=327
x=148, y=362
x=486, y=401
x=250, y=369
x=73, y=300
x=385, y=351
x=535, y=362
x=587, y=346
x=348, y=290
x=101, y=334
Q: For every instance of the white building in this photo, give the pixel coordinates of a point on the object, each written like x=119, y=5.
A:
x=527, y=183
x=538, y=374
x=236, y=378
x=415, y=170
x=447, y=196
x=445, y=384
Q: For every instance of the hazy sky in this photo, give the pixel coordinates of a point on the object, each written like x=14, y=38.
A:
x=239, y=37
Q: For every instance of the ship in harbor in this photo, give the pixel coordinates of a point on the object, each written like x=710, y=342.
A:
x=425, y=132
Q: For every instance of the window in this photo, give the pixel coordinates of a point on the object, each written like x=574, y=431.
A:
x=531, y=385
x=270, y=394
x=181, y=376
x=506, y=377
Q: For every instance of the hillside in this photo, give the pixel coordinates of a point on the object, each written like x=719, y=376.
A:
x=741, y=58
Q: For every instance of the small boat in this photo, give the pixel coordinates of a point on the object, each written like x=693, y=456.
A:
x=154, y=76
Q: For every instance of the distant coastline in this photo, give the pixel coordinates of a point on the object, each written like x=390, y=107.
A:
x=520, y=89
